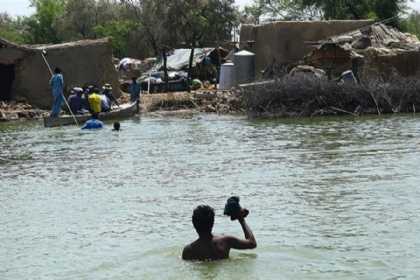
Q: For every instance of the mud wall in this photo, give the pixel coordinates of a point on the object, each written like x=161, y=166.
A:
x=82, y=63
x=10, y=55
x=283, y=42
x=405, y=64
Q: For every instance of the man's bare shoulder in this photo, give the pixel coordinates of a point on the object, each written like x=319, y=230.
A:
x=226, y=239
x=189, y=250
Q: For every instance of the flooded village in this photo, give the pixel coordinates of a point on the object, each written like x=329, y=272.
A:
x=281, y=68
x=209, y=139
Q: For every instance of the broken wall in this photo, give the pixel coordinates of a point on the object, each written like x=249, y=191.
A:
x=285, y=42
x=405, y=64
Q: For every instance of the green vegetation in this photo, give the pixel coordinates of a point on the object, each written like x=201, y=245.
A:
x=412, y=24
x=42, y=26
x=138, y=28
x=10, y=29
x=327, y=9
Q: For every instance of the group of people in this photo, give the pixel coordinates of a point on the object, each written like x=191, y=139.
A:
x=91, y=99
x=88, y=99
x=81, y=100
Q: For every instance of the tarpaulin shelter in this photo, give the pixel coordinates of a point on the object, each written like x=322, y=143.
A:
x=179, y=59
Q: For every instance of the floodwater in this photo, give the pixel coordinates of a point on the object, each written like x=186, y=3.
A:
x=329, y=198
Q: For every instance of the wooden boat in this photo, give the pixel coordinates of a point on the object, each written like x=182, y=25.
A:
x=123, y=111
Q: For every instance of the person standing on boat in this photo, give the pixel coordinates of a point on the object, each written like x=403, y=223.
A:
x=57, y=86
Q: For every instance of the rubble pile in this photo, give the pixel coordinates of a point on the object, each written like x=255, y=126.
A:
x=221, y=102
x=376, y=50
x=10, y=111
x=206, y=101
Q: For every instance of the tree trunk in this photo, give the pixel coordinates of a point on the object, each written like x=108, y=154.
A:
x=190, y=65
x=165, y=70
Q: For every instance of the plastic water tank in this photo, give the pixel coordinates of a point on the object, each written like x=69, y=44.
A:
x=227, y=76
x=244, y=67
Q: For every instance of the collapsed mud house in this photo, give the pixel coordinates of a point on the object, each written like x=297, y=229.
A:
x=283, y=42
x=373, y=52
x=24, y=75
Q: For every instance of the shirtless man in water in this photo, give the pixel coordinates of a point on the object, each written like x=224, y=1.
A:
x=210, y=247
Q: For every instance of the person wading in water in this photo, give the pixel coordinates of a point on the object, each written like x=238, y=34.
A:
x=211, y=247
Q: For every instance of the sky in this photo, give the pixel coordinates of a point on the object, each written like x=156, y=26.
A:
x=21, y=7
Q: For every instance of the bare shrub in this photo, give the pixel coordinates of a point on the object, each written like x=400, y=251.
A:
x=308, y=96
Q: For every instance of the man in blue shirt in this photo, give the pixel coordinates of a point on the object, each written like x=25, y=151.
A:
x=93, y=123
x=57, y=86
x=134, y=89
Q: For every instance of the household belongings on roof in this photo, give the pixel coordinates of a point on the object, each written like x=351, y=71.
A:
x=373, y=50
x=206, y=62
x=131, y=67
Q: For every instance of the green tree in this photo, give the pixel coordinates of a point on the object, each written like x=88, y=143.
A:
x=203, y=22
x=42, y=26
x=329, y=9
x=11, y=29
x=385, y=9
x=119, y=31
x=154, y=23
x=341, y=9
x=78, y=19
x=411, y=24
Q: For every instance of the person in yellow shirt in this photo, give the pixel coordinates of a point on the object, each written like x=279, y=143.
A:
x=95, y=101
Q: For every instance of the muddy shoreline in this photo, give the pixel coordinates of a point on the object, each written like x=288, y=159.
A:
x=270, y=101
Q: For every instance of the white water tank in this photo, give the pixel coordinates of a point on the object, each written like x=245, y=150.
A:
x=227, y=76
x=244, y=67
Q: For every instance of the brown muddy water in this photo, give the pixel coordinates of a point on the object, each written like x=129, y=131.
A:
x=329, y=198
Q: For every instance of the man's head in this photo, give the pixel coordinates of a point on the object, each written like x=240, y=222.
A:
x=203, y=219
x=117, y=126
x=134, y=79
x=78, y=91
x=95, y=116
x=106, y=88
x=57, y=70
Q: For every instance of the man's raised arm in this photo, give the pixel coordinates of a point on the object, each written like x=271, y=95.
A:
x=241, y=244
